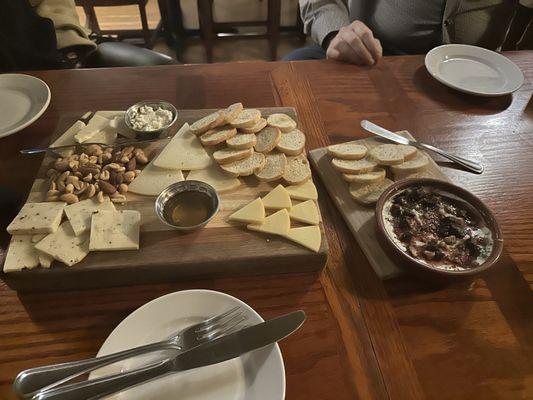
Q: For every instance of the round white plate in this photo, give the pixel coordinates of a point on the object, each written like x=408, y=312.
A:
x=23, y=99
x=474, y=70
x=259, y=375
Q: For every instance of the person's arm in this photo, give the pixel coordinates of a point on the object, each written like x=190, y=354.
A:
x=322, y=17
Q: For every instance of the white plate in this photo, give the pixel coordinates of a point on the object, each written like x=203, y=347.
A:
x=474, y=70
x=259, y=375
x=23, y=99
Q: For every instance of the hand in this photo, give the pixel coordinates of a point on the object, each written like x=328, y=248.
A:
x=355, y=44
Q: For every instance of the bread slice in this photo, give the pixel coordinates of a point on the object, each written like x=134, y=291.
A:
x=347, y=151
x=408, y=152
x=368, y=194
x=354, y=166
x=376, y=175
x=274, y=168
x=267, y=139
x=247, y=118
x=413, y=165
x=387, y=154
x=246, y=166
x=256, y=128
x=292, y=143
x=298, y=170
x=242, y=141
x=232, y=112
x=227, y=155
x=217, y=135
x=208, y=122
x=281, y=121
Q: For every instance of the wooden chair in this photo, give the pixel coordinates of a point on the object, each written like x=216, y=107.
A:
x=92, y=21
x=210, y=29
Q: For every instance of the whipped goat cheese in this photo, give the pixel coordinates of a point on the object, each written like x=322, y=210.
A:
x=146, y=118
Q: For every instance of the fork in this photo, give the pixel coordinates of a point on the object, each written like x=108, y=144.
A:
x=29, y=382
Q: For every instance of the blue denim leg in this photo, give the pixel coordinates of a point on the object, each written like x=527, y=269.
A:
x=312, y=52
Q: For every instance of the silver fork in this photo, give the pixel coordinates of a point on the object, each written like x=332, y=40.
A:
x=30, y=381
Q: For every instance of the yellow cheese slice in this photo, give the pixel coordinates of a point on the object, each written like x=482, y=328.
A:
x=306, y=212
x=278, y=223
x=21, y=254
x=307, y=236
x=305, y=191
x=95, y=125
x=115, y=230
x=215, y=177
x=108, y=135
x=152, y=180
x=252, y=213
x=64, y=245
x=183, y=152
x=277, y=198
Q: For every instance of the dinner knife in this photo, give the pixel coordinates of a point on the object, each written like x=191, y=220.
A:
x=214, y=352
x=471, y=165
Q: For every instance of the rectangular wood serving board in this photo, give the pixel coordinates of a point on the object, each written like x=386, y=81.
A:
x=218, y=250
x=360, y=219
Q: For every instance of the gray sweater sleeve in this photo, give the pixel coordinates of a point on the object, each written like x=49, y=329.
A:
x=321, y=17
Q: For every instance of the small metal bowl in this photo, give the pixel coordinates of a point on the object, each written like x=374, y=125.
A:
x=140, y=134
x=164, y=201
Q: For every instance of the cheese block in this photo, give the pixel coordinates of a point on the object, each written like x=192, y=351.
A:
x=107, y=135
x=278, y=223
x=36, y=218
x=306, y=212
x=252, y=213
x=44, y=259
x=95, y=125
x=115, y=230
x=21, y=254
x=80, y=214
x=277, y=198
x=183, y=152
x=152, y=180
x=307, y=236
x=67, y=138
x=63, y=245
x=348, y=150
x=215, y=177
x=305, y=191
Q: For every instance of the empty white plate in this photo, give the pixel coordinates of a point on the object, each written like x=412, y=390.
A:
x=259, y=375
x=23, y=99
x=474, y=70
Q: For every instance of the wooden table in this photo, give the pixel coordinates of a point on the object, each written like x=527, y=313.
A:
x=401, y=339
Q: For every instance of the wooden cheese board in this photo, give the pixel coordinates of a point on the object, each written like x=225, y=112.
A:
x=361, y=219
x=220, y=249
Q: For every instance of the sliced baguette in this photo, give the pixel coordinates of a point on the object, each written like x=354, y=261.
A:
x=232, y=112
x=348, y=151
x=247, y=118
x=275, y=164
x=292, y=143
x=298, y=170
x=414, y=165
x=256, y=128
x=267, y=139
x=368, y=194
x=354, y=166
x=281, y=121
x=242, y=141
x=217, y=135
x=227, y=155
x=208, y=122
x=408, y=152
x=387, y=154
x=377, y=175
x=246, y=166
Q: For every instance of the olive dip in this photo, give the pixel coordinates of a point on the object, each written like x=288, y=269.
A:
x=439, y=230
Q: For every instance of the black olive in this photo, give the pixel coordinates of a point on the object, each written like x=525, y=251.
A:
x=406, y=236
x=395, y=210
x=439, y=255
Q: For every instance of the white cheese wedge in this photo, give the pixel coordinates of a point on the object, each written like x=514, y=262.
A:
x=95, y=125
x=108, y=135
x=307, y=236
x=80, y=214
x=44, y=259
x=21, y=254
x=152, y=180
x=306, y=212
x=36, y=218
x=64, y=245
x=115, y=230
x=67, y=138
x=305, y=191
x=278, y=223
x=277, y=198
x=215, y=177
x=183, y=152
x=252, y=213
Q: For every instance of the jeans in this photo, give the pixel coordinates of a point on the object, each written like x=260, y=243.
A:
x=311, y=52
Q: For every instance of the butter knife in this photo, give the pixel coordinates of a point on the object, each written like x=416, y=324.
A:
x=471, y=165
x=214, y=352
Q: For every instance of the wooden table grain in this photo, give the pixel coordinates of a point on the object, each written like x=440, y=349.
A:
x=364, y=338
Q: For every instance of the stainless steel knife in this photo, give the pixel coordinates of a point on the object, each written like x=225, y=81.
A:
x=471, y=165
x=214, y=352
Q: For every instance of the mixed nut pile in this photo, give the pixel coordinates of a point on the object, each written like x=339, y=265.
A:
x=96, y=172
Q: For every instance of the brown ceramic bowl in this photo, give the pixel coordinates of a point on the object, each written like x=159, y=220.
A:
x=414, y=265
